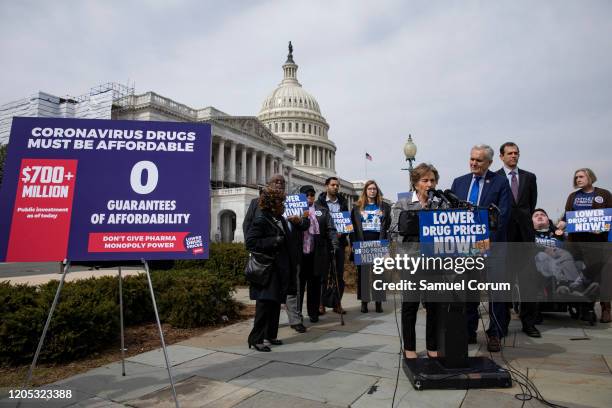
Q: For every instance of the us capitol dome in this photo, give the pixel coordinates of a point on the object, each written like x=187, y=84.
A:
x=294, y=115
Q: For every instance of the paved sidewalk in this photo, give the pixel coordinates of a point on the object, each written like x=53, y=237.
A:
x=338, y=366
x=41, y=273
x=71, y=277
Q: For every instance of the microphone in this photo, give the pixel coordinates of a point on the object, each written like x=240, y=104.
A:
x=494, y=214
x=494, y=207
x=430, y=196
x=443, y=197
x=452, y=197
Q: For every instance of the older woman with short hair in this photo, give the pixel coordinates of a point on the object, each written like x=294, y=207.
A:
x=422, y=178
x=585, y=198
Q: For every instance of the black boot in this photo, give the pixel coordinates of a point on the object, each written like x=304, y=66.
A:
x=379, y=307
x=364, y=307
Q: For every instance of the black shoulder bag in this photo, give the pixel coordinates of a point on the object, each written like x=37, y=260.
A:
x=259, y=266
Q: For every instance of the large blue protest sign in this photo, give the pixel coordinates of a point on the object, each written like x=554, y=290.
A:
x=105, y=190
x=295, y=204
x=366, y=251
x=593, y=220
x=453, y=231
x=342, y=222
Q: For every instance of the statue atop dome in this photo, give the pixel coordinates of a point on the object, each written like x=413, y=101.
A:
x=290, y=55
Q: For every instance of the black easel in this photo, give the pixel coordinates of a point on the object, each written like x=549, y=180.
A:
x=65, y=271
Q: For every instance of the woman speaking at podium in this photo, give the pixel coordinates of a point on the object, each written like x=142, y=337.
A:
x=423, y=178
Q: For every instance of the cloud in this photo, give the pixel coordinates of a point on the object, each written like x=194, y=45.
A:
x=451, y=74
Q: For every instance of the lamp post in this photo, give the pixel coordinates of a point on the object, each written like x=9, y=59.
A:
x=410, y=150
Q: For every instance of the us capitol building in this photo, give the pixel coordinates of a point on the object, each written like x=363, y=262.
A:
x=288, y=136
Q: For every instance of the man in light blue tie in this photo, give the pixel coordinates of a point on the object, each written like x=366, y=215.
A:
x=482, y=188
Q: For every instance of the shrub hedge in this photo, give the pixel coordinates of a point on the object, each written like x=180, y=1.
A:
x=86, y=319
x=226, y=260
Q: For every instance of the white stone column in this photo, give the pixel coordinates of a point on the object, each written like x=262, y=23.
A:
x=303, y=153
x=243, y=165
x=270, y=167
x=232, y=164
x=262, y=169
x=311, y=163
x=295, y=152
x=221, y=160
x=253, y=178
x=289, y=181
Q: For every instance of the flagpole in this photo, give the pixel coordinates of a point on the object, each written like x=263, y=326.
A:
x=365, y=163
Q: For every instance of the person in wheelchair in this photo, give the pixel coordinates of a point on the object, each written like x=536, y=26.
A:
x=558, y=264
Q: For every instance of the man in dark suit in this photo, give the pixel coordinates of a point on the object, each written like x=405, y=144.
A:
x=524, y=188
x=483, y=187
x=334, y=202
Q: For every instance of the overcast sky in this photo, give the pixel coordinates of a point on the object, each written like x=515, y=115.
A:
x=452, y=74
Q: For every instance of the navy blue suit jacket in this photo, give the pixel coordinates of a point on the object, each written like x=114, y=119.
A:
x=495, y=191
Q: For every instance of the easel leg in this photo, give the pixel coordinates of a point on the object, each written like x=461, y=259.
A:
x=47, y=323
x=121, y=323
x=161, y=334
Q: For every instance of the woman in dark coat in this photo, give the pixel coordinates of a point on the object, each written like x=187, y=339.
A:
x=371, y=218
x=585, y=198
x=269, y=234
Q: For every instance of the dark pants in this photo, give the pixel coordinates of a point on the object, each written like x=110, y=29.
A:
x=409, y=316
x=265, y=326
x=529, y=314
x=520, y=261
x=312, y=283
x=365, y=291
x=340, y=269
x=499, y=319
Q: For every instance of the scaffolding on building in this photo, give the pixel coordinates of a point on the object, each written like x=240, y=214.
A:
x=119, y=91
